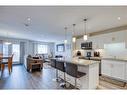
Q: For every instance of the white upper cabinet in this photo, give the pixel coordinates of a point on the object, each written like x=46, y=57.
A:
x=114, y=37
x=98, y=41
x=78, y=43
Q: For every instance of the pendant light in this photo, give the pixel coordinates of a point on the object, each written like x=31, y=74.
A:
x=85, y=37
x=65, y=41
x=74, y=38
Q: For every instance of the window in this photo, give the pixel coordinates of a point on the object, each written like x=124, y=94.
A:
x=16, y=52
x=42, y=49
x=5, y=49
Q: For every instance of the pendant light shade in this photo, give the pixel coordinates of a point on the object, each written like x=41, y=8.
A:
x=74, y=38
x=85, y=37
x=65, y=41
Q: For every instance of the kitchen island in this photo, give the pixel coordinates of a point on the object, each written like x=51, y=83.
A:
x=90, y=67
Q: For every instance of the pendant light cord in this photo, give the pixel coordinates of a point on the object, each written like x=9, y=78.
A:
x=65, y=33
x=74, y=29
x=85, y=25
x=7, y=37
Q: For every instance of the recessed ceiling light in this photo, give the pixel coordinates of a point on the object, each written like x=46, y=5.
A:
x=118, y=18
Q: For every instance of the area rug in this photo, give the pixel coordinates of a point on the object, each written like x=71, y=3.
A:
x=113, y=81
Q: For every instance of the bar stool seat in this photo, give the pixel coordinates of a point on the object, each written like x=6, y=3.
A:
x=61, y=67
x=53, y=63
x=80, y=74
x=72, y=70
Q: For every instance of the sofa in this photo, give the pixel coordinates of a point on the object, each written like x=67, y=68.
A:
x=34, y=62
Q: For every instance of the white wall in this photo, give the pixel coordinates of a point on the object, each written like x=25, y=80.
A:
x=29, y=46
x=67, y=54
x=51, y=47
x=17, y=41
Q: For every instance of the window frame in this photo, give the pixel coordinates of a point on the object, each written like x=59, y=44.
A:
x=46, y=48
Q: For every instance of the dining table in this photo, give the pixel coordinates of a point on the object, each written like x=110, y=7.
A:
x=4, y=58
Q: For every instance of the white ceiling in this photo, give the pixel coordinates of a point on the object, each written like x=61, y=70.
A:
x=47, y=23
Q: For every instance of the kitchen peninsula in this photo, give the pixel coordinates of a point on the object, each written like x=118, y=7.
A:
x=90, y=67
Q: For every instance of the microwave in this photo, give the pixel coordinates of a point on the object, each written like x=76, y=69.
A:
x=86, y=45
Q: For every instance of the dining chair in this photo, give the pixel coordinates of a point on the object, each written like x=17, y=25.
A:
x=10, y=61
x=1, y=55
x=7, y=62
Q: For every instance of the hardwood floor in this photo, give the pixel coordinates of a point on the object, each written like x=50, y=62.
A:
x=21, y=79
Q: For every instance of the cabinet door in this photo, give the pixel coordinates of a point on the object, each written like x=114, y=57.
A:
x=106, y=67
x=118, y=69
x=97, y=42
x=126, y=71
x=78, y=43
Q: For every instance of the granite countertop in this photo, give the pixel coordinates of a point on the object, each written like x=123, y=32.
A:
x=83, y=62
x=115, y=59
x=80, y=61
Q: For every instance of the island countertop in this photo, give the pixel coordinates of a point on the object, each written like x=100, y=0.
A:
x=79, y=61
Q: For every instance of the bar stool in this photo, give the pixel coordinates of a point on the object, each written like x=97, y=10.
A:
x=53, y=64
x=72, y=70
x=61, y=67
